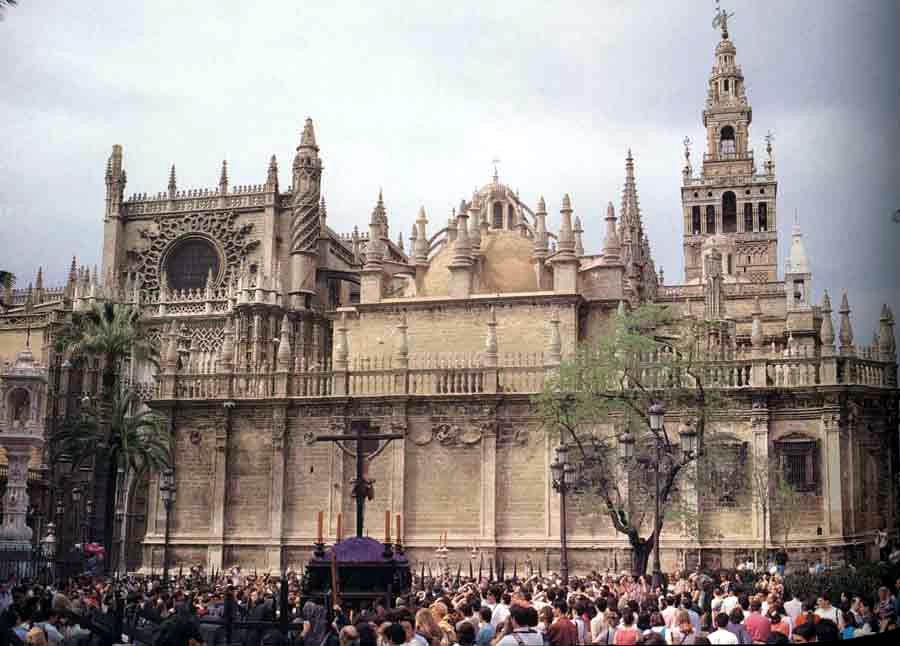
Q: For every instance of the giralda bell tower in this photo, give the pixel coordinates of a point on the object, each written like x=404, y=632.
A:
x=729, y=200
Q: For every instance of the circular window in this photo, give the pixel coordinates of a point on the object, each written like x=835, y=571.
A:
x=696, y=194
x=747, y=192
x=190, y=262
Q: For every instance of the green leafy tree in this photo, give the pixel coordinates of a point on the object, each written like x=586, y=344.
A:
x=607, y=388
x=7, y=282
x=112, y=334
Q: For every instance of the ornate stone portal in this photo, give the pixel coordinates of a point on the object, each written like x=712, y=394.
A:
x=22, y=392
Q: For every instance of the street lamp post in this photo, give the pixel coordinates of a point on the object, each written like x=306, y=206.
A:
x=656, y=413
x=88, y=521
x=688, y=445
x=167, y=493
x=563, y=477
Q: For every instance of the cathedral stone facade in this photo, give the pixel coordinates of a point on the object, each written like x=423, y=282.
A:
x=274, y=328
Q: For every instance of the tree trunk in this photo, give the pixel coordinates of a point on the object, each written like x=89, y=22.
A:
x=105, y=467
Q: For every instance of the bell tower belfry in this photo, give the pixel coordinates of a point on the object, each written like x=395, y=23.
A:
x=730, y=198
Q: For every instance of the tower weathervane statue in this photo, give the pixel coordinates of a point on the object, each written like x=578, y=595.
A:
x=721, y=20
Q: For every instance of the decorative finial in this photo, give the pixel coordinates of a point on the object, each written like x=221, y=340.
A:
x=223, y=176
x=770, y=137
x=172, y=185
x=721, y=20
x=687, y=149
x=495, y=161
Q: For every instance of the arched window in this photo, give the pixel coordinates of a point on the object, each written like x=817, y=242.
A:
x=190, y=263
x=710, y=219
x=695, y=220
x=729, y=212
x=726, y=141
x=748, y=217
x=799, y=458
x=728, y=265
x=726, y=85
x=763, y=217
x=498, y=215
x=511, y=217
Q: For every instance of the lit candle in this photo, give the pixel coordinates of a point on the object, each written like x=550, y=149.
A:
x=321, y=519
x=399, y=542
x=340, y=527
x=387, y=526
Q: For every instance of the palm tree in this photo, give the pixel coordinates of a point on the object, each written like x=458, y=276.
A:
x=111, y=333
x=136, y=442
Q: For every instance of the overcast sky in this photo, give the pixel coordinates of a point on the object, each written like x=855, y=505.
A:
x=419, y=97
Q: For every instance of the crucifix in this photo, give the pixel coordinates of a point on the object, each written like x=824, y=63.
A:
x=362, y=488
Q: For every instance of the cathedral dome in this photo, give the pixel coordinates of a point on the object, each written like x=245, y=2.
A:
x=504, y=268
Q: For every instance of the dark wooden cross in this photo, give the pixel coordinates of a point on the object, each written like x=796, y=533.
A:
x=361, y=488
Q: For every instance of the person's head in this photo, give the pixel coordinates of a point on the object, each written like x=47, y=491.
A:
x=465, y=634
x=485, y=614
x=736, y=616
x=777, y=638
x=520, y=616
x=560, y=608
x=367, y=635
x=656, y=620
x=827, y=631
x=652, y=637
x=755, y=605
x=824, y=600
x=627, y=617
x=883, y=593
x=683, y=621
x=804, y=633
x=35, y=637
x=721, y=620
x=395, y=634
x=545, y=615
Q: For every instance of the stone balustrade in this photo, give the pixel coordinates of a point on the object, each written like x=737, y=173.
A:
x=524, y=373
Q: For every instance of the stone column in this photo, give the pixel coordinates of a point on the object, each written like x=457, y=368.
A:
x=217, y=504
x=832, y=486
x=15, y=534
x=276, y=500
x=489, y=486
x=759, y=424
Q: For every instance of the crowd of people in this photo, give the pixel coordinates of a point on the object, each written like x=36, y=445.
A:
x=444, y=611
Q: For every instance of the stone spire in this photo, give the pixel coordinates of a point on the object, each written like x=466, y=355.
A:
x=566, y=235
x=308, y=136
x=373, y=248
x=886, y=341
x=223, y=178
x=323, y=217
x=540, y=230
x=611, y=247
x=285, y=353
x=272, y=175
x=115, y=182
x=379, y=216
x=474, y=228
x=461, y=265
x=451, y=226
x=462, y=249
x=400, y=239
x=799, y=262
x=846, y=332
x=579, y=237
x=826, y=333
x=173, y=186
x=420, y=248
x=305, y=225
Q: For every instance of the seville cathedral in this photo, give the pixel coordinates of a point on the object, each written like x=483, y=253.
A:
x=274, y=328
